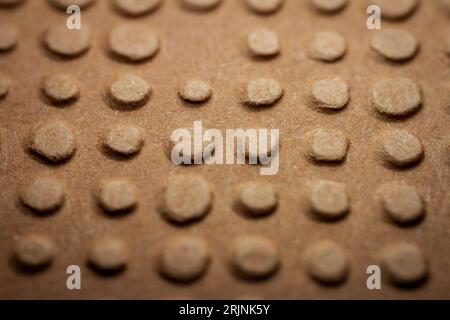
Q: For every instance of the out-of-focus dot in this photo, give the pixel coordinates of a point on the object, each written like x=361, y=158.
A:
x=195, y=91
x=133, y=43
x=187, y=197
x=329, y=6
x=124, y=140
x=130, y=90
x=8, y=37
x=34, y=251
x=201, y=5
x=254, y=257
x=184, y=258
x=61, y=88
x=10, y=3
x=329, y=200
x=328, y=145
x=402, y=148
x=4, y=86
x=54, y=141
x=64, y=4
x=43, y=195
x=263, y=92
x=330, y=94
x=264, y=6
x=257, y=198
x=395, y=44
x=327, y=46
x=263, y=43
x=327, y=262
x=66, y=42
x=137, y=7
x=396, y=9
x=117, y=195
x=108, y=254
x=396, y=96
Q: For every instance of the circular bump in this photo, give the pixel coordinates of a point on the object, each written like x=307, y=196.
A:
x=108, y=255
x=329, y=6
x=263, y=43
x=396, y=96
x=4, y=87
x=34, y=251
x=257, y=198
x=195, y=91
x=137, y=7
x=124, y=140
x=330, y=94
x=53, y=141
x=8, y=37
x=10, y=3
x=61, y=89
x=130, y=90
x=184, y=258
x=64, y=4
x=329, y=200
x=66, y=42
x=43, y=195
x=402, y=148
x=187, y=197
x=395, y=45
x=402, y=203
x=327, y=46
x=117, y=196
x=264, y=6
x=201, y=5
x=133, y=43
x=396, y=9
x=263, y=92
x=255, y=257
x=404, y=264
x=327, y=262
x=328, y=146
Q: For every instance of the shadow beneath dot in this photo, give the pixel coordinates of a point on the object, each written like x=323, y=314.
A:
x=23, y=269
x=60, y=57
x=247, y=214
x=254, y=278
x=396, y=119
x=43, y=160
x=54, y=103
x=321, y=163
x=107, y=273
x=405, y=167
x=26, y=210
x=109, y=100
x=316, y=217
x=117, y=156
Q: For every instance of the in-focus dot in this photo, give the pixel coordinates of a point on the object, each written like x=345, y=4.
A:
x=61, y=89
x=196, y=91
x=34, y=251
x=254, y=257
x=201, y=5
x=402, y=148
x=8, y=37
x=327, y=46
x=43, y=195
x=329, y=200
x=184, y=258
x=328, y=146
x=396, y=9
x=137, y=7
x=124, y=140
x=263, y=43
x=395, y=44
x=53, y=141
x=263, y=92
x=327, y=262
x=264, y=6
x=257, y=198
x=404, y=264
x=187, y=197
x=64, y=4
x=66, y=42
x=130, y=90
x=133, y=43
x=329, y=6
x=396, y=96
x=330, y=94
x=117, y=195
x=108, y=255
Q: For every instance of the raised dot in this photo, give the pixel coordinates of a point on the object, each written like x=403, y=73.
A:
x=329, y=6
x=108, y=254
x=43, y=195
x=130, y=90
x=125, y=140
x=329, y=200
x=396, y=9
x=328, y=146
x=8, y=37
x=187, y=197
x=137, y=7
x=201, y=5
x=133, y=43
x=396, y=96
x=404, y=264
x=327, y=262
x=63, y=4
x=34, y=251
x=117, y=195
x=195, y=91
x=66, y=42
x=395, y=45
x=257, y=198
x=10, y=3
x=4, y=87
x=263, y=43
x=254, y=257
x=184, y=258
x=327, y=46
x=402, y=148
x=402, y=203
x=264, y=92
x=264, y=6
x=61, y=89
x=331, y=94
x=53, y=141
